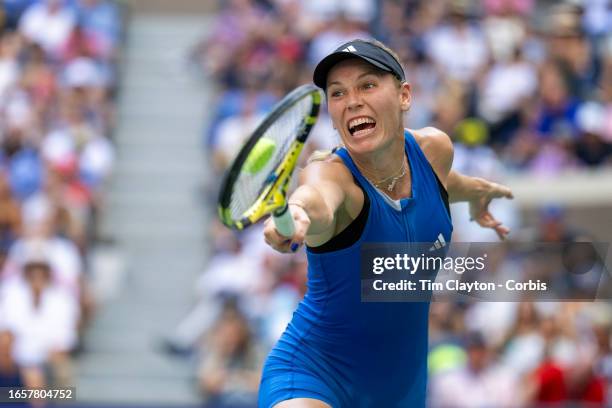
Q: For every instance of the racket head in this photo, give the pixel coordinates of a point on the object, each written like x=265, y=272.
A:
x=256, y=183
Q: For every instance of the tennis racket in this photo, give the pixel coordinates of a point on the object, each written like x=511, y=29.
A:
x=257, y=181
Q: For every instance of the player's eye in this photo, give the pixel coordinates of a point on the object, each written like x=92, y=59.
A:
x=368, y=85
x=336, y=93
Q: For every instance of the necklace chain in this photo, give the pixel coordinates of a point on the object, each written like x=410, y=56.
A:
x=394, y=178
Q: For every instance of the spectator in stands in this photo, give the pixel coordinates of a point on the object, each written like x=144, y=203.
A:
x=48, y=228
x=22, y=162
x=230, y=369
x=556, y=123
x=338, y=30
x=481, y=383
x=523, y=342
x=286, y=288
x=571, y=49
x=506, y=26
x=240, y=21
x=100, y=22
x=43, y=318
x=506, y=86
x=39, y=81
x=549, y=383
x=591, y=147
x=48, y=23
x=82, y=44
x=459, y=36
x=557, y=118
x=234, y=131
x=552, y=227
x=231, y=103
x=586, y=381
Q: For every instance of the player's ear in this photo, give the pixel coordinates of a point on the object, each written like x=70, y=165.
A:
x=405, y=96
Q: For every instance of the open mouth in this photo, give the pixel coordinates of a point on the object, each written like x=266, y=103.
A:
x=361, y=126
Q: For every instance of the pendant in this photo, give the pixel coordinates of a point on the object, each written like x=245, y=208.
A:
x=391, y=185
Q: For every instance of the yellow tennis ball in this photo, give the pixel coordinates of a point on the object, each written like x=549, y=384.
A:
x=260, y=155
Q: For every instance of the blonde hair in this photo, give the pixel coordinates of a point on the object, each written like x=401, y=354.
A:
x=321, y=155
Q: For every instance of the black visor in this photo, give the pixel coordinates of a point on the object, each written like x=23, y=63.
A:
x=366, y=51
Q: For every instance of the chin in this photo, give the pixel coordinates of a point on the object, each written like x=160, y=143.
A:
x=366, y=145
x=362, y=148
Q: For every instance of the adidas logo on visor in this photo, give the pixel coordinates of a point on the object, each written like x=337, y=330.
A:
x=350, y=48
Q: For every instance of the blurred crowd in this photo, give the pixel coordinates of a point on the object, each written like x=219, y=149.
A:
x=520, y=354
x=521, y=86
x=529, y=81
x=58, y=78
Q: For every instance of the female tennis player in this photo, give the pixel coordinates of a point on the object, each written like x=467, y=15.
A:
x=386, y=184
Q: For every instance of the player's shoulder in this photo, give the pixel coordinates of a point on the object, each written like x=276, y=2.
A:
x=437, y=147
x=433, y=139
x=326, y=167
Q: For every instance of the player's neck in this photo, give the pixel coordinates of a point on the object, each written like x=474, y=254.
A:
x=383, y=165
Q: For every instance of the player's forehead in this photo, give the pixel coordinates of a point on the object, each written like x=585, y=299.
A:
x=351, y=69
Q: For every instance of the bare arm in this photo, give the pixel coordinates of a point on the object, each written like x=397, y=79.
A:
x=478, y=192
x=313, y=205
x=320, y=194
x=465, y=188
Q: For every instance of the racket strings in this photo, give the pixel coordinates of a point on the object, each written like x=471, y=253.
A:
x=283, y=132
x=249, y=185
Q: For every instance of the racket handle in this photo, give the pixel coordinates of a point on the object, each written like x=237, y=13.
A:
x=283, y=221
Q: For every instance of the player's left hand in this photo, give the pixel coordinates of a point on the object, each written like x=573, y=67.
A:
x=479, y=207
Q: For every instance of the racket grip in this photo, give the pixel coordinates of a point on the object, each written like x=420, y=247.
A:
x=283, y=221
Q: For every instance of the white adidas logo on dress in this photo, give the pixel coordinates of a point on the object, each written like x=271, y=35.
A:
x=440, y=243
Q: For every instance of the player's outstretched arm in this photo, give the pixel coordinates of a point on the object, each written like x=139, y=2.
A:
x=478, y=192
x=313, y=205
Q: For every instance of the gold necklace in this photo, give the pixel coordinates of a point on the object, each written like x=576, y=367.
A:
x=394, y=178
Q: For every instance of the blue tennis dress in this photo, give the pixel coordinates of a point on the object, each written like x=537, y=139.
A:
x=349, y=353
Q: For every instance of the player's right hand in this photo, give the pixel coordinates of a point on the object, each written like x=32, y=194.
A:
x=284, y=244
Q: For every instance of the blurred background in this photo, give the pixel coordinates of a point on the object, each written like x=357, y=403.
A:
x=118, y=119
